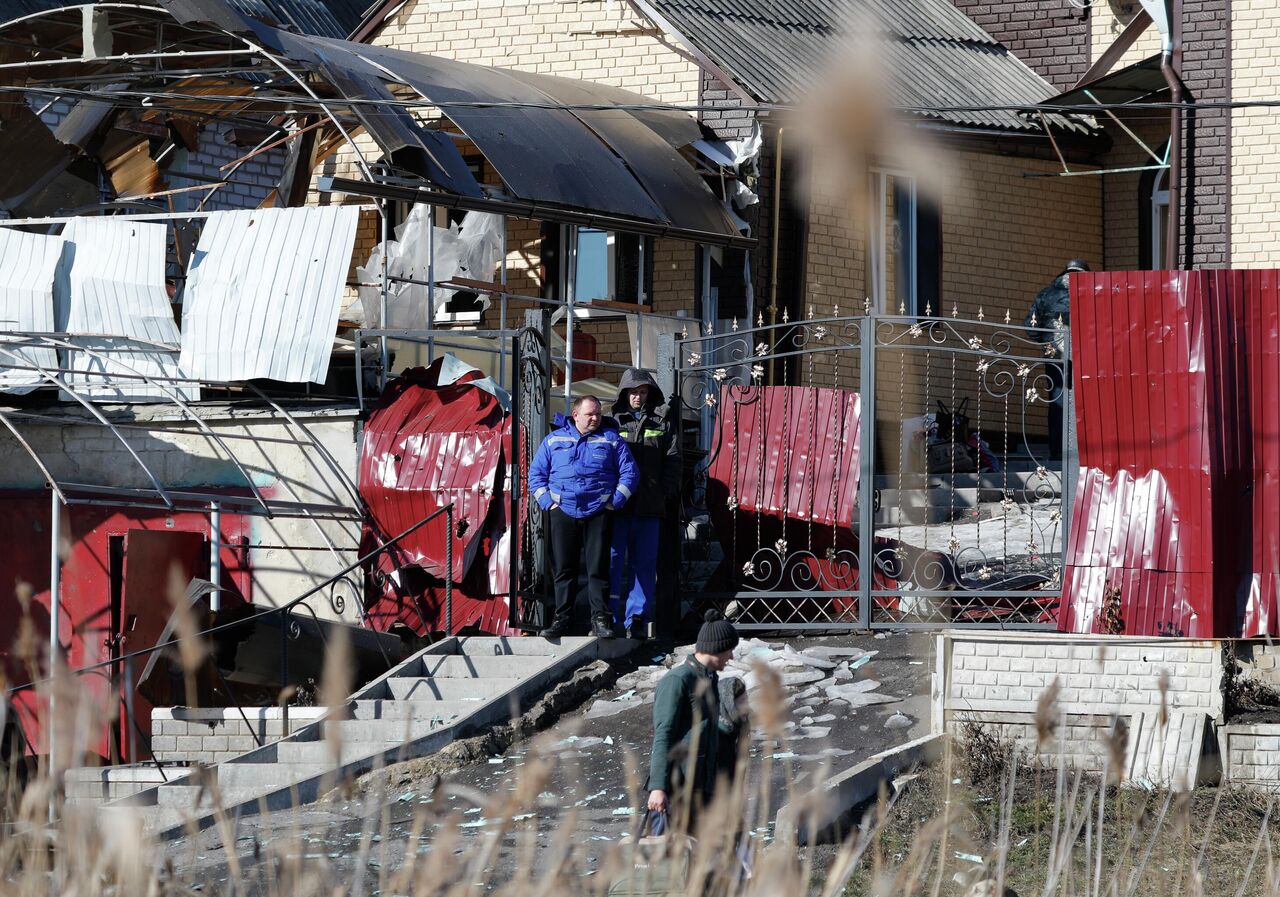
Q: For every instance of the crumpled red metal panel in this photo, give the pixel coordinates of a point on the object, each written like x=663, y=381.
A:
x=788, y=452
x=788, y=457
x=1168, y=394
x=425, y=446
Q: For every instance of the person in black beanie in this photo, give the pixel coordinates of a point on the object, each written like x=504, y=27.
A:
x=686, y=714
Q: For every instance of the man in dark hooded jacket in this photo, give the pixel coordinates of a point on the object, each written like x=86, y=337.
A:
x=644, y=421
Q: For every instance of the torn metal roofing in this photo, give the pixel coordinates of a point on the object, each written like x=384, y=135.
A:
x=620, y=167
x=263, y=293
x=935, y=55
x=324, y=18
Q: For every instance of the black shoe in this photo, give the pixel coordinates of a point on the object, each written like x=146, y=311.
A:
x=638, y=631
x=557, y=629
x=601, y=628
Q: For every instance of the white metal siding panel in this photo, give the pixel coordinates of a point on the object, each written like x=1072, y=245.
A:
x=28, y=263
x=263, y=293
x=111, y=296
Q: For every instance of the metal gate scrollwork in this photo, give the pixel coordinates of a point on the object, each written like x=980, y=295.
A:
x=921, y=451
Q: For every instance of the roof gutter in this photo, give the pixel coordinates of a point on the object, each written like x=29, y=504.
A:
x=523, y=208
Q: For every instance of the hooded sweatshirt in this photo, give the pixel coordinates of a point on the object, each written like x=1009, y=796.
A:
x=649, y=433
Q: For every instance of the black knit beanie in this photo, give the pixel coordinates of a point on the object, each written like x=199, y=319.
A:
x=716, y=635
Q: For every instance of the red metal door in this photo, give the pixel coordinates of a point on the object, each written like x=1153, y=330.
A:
x=158, y=565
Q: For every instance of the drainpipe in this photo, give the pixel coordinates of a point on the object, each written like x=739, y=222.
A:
x=773, y=264
x=1176, y=94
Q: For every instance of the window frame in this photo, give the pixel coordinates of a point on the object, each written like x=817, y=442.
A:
x=878, y=243
x=568, y=273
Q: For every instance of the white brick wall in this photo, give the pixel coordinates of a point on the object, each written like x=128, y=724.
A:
x=1249, y=753
x=996, y=679
x=213, y=734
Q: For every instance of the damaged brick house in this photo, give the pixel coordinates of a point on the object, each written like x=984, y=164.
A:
x=633, y=217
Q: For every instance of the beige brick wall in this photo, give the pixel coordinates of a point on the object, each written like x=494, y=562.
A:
x=1108, y=20
x=1255, y=169
x=588, y=39
x=1123, y=194
x=1006, y=236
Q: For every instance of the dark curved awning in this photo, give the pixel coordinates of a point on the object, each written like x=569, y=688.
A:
x=619, y=162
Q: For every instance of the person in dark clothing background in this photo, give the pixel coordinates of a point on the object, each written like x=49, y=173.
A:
x=686, y=718
x=645, y=423
x=1051, y=309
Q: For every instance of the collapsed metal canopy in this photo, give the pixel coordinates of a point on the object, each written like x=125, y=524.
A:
x=614, y=162
x=1133, y=84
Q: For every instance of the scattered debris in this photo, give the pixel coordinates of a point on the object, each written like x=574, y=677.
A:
x=898, y=721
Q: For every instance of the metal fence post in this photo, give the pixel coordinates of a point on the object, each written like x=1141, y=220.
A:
x=1070, y=453
x=866, y=464
x=448, y=572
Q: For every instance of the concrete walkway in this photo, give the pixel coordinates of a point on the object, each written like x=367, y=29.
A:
x=585, y=797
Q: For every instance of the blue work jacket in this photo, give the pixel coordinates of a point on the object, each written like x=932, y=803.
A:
x=580, y=473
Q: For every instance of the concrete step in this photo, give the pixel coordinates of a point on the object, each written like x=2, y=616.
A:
x=310, y=753
x=523, y=646
x=428, y=701
x=387, y=709
x=451, y=689
x=263, y=777
x=484, y=666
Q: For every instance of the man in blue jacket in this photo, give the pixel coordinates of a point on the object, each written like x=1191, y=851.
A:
x=581, y=472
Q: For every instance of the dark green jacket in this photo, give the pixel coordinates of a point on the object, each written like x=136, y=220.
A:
x=686, y=694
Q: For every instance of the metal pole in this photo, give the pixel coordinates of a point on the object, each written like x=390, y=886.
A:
x=503, y=380
x=215, y=555
x=866, y=473
x=382, y=303
x=514, y=523
x=431, y=283
x=55, y=649
x=128, y=710
x=570, y=287
x=448, y=572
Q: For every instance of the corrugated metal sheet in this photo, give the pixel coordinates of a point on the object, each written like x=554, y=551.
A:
x=1177, y=505
x=113, y=283
x=27, y=266
x=425, y=446
x=810, y=476
x=263, y=293
x=935, y=54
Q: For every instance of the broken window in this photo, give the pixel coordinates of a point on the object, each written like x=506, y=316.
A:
x=904, y=246
x=611, y=265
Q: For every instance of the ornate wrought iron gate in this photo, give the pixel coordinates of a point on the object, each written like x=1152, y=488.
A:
x=875, y=470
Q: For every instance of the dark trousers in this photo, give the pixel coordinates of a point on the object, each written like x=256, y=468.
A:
x=578, y=543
